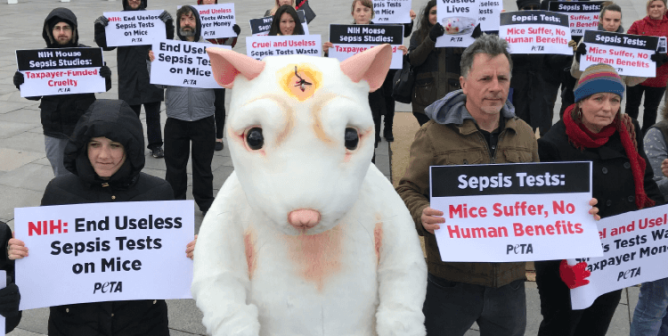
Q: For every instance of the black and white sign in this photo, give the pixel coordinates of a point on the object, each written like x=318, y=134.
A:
x=261, y=27
x=104, y=252
x=181, y=63
x=514, y=212
x=582, y=16
x=260, y=47
x=134, y=28
x=458, y=18
x=536, y=32
x=392, y=11
x=50, y=72
x=490, y=11
x=349, y=40
x=662, y=45
x=630, y=55
x=217, y=20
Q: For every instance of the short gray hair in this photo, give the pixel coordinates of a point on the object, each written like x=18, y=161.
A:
x=491, y=45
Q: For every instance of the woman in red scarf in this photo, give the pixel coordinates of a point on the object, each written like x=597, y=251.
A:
x=594, y=130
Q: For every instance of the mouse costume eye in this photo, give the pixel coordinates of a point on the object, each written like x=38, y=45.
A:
x=351, y=138
x=254, y=138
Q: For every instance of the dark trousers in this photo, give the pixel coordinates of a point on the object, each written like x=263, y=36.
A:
x=652, y=100
x=377, y=104
x=555, y=306
x=179, y=135
x=220, y=112
x=552, y=92
x=421, y=118
x=450, y=308
x=153, y=128
x=389, y=102
x=567, y=95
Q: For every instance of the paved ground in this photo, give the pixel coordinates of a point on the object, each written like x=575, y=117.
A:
x=25, y=171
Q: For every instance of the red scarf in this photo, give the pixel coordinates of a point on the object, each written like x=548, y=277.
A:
x=582, y=138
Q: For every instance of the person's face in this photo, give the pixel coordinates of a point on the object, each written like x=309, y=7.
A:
x=187, y=23
x=656, y=10
x=611, y=20
x=208, y=2
x=134, y=4
x=105, y=156
x=432, y=16
x=284, y=2
x=599, y=110
x=361, y=14
x=287, y=24
x=62, y=33
x=487, y=83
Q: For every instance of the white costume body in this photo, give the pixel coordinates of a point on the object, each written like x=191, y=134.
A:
x=360, y=270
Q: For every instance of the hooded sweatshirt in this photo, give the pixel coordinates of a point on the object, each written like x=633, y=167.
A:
x=58, y=15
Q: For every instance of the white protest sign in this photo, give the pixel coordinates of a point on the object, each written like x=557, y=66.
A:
x=630, y=55
x=514, y=212
x=582, y=16
x=48, y=72
x=349, y=40
x=392, y=11
x=3, y=284
x=489, y=11
x=260, y=47
x=181, y=63
x=261, y=27
x=217, y=20
x=536, y=32
x=635, y=246
x=104, y=252
x=458, y=18
x=134, y=28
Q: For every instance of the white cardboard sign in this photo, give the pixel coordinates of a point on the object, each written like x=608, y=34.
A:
x=536, y=32
x=582, y=16
x=217, y=20
x=490, y=14
x=134, y=28
x=349, y=40
x=104, y=252
x=635, y=246
x=392, y=11
x=459, y=18
x=260, y=47
x=181, y=63
x=514, y=212
x=630, y=55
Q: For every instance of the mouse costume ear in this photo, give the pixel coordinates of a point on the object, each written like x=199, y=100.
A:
x=227, y=64
x=371, y=65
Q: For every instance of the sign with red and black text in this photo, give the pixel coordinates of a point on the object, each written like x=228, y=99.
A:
x=514, y=212
x=630, y=55
x=49, y=72
x=104, y=252
x=217, y=20
x=536, y=32
x=134, y=28
x=392, y=11
x=350, y=40
x=582, y=16
x=458, y=18
x=260, y=47
x=183, y=63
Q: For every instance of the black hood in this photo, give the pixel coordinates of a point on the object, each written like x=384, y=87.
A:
x=198, y=26
x=115, y=120
x=142, y=6
x=61, y=14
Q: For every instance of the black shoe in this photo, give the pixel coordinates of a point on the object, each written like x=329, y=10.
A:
x=158, y=153
x=219, y=146
x=387, y=133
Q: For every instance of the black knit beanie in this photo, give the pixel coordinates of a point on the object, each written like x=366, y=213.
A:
x=523, y=3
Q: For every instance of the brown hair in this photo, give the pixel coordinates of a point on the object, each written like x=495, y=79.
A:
x=367, y=4
x=610, y=6
x=649, y=2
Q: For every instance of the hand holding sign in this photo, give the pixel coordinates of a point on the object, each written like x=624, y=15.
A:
x=659, y=58
x=17, y=249
x=431, y=218
x=581, y=50
x=574, y=276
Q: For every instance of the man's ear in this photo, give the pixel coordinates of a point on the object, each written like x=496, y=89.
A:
x=227, y=64
x=371, y=65
x=462, y=84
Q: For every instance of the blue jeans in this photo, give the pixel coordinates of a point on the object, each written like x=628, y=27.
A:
x=649, y=318
x=450, y=308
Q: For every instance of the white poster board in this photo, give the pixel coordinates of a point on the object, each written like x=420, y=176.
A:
x=217, y=20
x=349, y=40
x=514, y=212
x=104, y=252
x=490, y=14
x=630, y=55
x=134, y=28
x=260, y=47
x=458, y=18
x=536, y=32
x=635, y=246
x=392, y=11
x=181, y=63
x=582, y=16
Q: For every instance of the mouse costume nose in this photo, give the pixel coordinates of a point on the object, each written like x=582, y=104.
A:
x=303, y=219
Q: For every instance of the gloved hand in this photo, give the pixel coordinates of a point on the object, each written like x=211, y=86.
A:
x=105, y=71
x=581, y=50
x=18, y=79
x=237, y=29
x=436, y=31
x=659, y=58
x=574, y=276
x=9, y=299
x=102, y=20
x=477, y=32
x=573, y=44
x=165, y=17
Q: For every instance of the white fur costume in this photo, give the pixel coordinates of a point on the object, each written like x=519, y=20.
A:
x=306, y=237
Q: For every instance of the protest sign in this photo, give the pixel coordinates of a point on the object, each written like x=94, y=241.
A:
x=536, y=32
x=104, y=252
x=50, y=72
x=490, y=15
x=182, y=63
x=260, y=47
x=514, y=212
x=630, y=55
x=261, y=27
x=392, y=11
x=458, y=18
x=134, y=28
x=349, y=40
x=3, y=284
x=217, y=20
x=635, y=250
x=582, y=16
x=662, y=45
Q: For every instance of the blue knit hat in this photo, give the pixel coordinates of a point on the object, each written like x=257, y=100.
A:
x=599, y=78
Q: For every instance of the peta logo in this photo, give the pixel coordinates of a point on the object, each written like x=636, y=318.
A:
x=519, y=249
x=108, y=287
x=47, y=227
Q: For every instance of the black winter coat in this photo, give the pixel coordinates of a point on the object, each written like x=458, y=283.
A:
x=118, y=122
x=133, y=63
x=613, y=184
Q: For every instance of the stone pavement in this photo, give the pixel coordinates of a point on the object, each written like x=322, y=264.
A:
x=25, y=171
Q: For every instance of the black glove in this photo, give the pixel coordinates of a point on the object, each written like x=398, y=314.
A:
x=436, y=31
x=659, y=58
x=102, y=20
x=165, y=17
x=236, y=29
x=9, y=300
x=105, y=71
x=582, y=50
x=18, y=79
x=477, y=32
